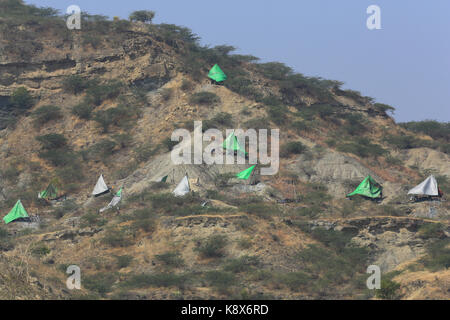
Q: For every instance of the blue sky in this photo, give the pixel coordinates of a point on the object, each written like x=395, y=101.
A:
x=405, y=64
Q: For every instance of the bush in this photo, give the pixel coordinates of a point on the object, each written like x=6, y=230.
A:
x=144, y=152
x=389, y=290
x=124, y=261
x=213, y=247
x=97, y=93
x=404, y=142
x=295, y=281
x=204, y=98
x=156, y=280
x=362, y=147
x=242, y=264
x=45, y=114
x=262, y=210
x=295, y=147
x=52, y=141
x=166, y=93
x=144, y=16
x=170, y=259
x=431, y=230
x=21, y=99
x=83, y=111
x=40, y=250
x=221, y=119
x=75, y=84
x=101, y=150
x=434, y=129
x=384, y=107
x=274, y=70
x=438, y=256
x=221, y=280
x=92, y=219
x=116, y=238
x=101, y=282
x=146, y=225
x=187, y=85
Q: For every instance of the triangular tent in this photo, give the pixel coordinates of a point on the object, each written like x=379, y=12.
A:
x=16, y=213
x=232, y=143
x=164, y=179
x=217, y=74
x=183, y=188
x=100, y=188
x=114, y=202
x=429, y=187
x=50, y=193
x=246, y=174
x=368, y=188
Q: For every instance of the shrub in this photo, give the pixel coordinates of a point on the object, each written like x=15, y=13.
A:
x=438, y=256
x=166, y=93
x=75, y=84
x=92, y=219
x=116, y=238
x=277, y=114
x=45, y=114
x=434, y=129
x=295, y=281
x=204, y=98
x=22, y=99
x=144, y=16
x=389, y=290
x=242, y=264
x=101, y=282
x=83, y=111
x=144, y=152
x=294, y=147
x=213, y=247
x=403, y=142
x=431, y=230
x=124, y=261
x=262, y=210
x=274, y=70
x=222, y=280
x=52, y=141
x=146, y=225
x=170, y=259
x=101, y=150
x=40, y=250
x=187, y=85
x=384, y=107
x=362, y=147
x=156, y=280
x=222, y=119
x=97, y=93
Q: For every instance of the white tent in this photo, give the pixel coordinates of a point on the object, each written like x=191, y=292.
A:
x=100, y=187
x=182, y=188
x=114, y=202
x=429, y=187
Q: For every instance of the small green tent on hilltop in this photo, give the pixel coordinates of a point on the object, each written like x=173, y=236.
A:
x=217, y=74
x=368, y=188
x=50, y=193
x=246, y=174
x=232, y=143
x=16, y=213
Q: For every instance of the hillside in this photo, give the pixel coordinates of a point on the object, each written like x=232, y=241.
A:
x=106, y=99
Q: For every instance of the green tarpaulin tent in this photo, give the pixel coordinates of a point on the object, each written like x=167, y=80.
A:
x=232, y=143
x=246, y=174
x=50, y=193
x=368, y=188
x=16, y=213
x=217, y=74
x=164, y=179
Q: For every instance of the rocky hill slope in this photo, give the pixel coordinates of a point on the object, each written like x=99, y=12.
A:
x=106, y=99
